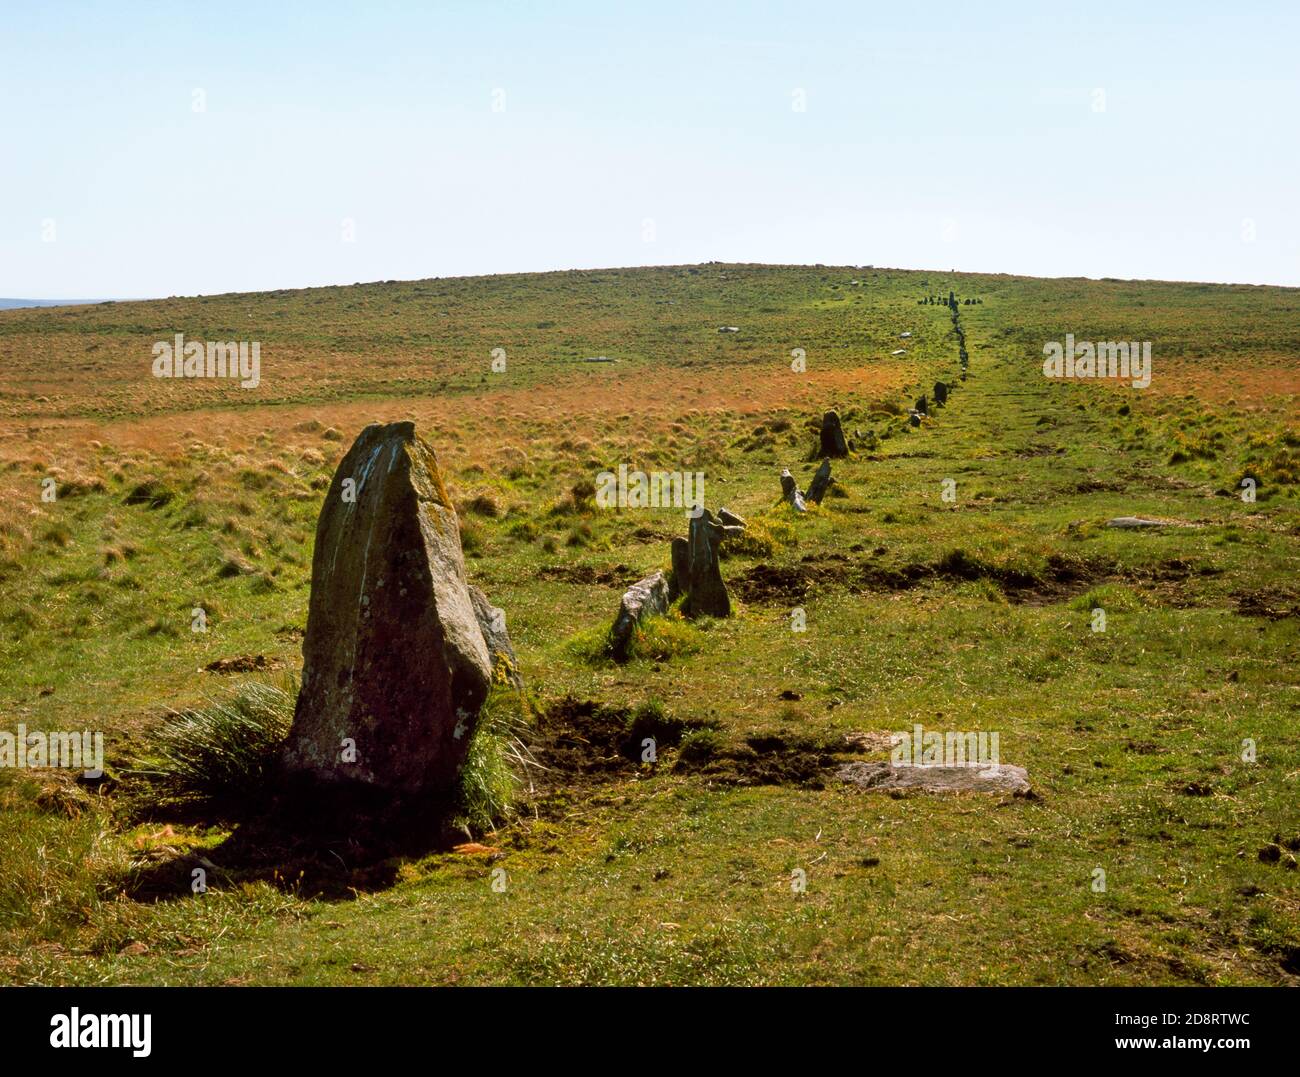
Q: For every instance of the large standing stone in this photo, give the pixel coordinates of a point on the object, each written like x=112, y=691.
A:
x=643, y=599
x=940, y=393
x=832, y=439
x=395, y=667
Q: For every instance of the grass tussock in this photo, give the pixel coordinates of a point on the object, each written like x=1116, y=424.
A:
x=225, y=752
x=764, y=536
x=498, y=762
x=53, y=865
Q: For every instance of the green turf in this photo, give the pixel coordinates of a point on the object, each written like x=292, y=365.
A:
x=973, y=614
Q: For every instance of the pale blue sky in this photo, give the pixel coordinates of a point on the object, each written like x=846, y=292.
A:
x=935, y=135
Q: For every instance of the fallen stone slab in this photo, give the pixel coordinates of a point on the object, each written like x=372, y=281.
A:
x=1132, y=522
x=245, y=663
x=728, y=329
x=729, y=519
x=974, y=778
x=643, y=599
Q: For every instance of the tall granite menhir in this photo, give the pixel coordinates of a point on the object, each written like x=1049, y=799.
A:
x=395, y=667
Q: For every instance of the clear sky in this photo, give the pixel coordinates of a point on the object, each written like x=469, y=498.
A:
x=1153, y=140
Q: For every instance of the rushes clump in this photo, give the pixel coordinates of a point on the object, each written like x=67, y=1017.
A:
x=224, y=752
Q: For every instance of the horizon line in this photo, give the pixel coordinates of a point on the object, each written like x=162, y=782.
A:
x=54, y=302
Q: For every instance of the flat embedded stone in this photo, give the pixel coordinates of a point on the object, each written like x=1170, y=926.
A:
x=975, y=778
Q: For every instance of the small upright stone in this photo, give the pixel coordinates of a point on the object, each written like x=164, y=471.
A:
x=790, y=491
x=706, y=594
x=940, y=393
x=832, y=436
x=820, y=484
x=681, y=560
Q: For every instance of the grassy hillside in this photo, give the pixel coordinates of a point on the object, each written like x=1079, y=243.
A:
x=965, y=614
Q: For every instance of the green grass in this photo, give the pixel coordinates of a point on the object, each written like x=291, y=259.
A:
x=966, y=615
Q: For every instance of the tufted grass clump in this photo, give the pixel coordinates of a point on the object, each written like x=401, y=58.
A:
x=660, y=639
x=224, y=753
x=763, y=536
x=498, y=761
